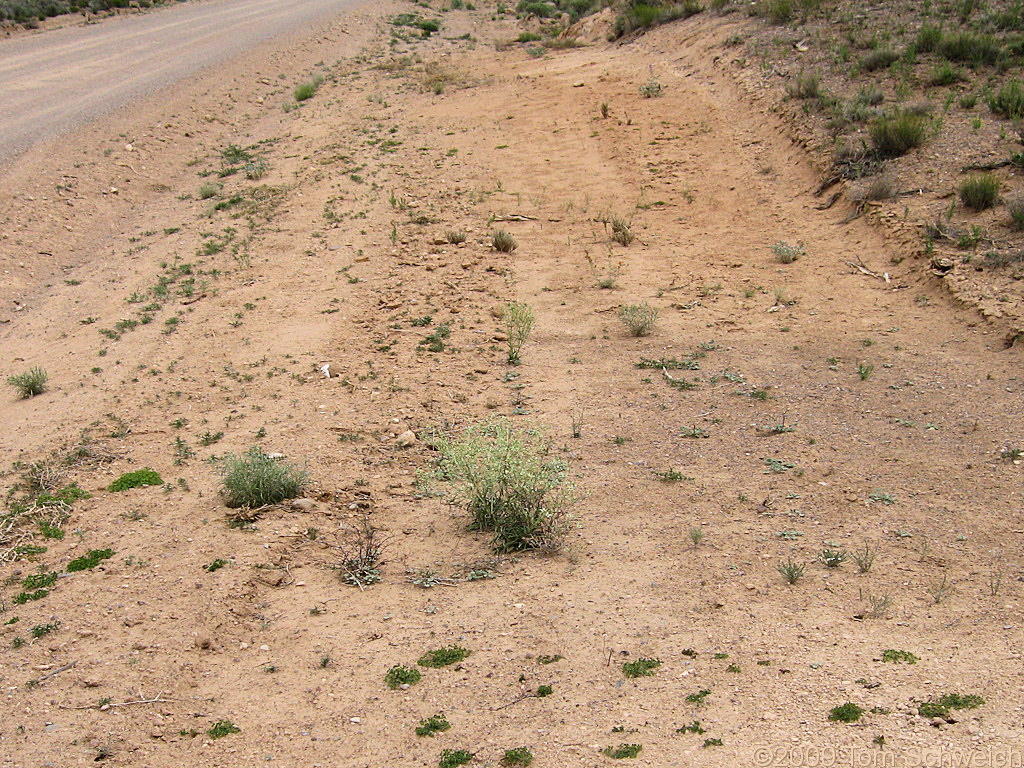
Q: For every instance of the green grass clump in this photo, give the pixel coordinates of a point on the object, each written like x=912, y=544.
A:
x=880, y=58
x=255, y=479
x=980, y=192
x=895, y=135
x=90, y=560
x=137, y=479
x=1008, y=101
x=453, y=758
x=509, y=482
x=222, y=728
x=642, y=667
x=846, y=713
x=520, y=756
x=929, y=37
x=30, y=383
x=306, y=91
x=941, y=706
x=443, y=657
x=970, y=48
x=433, y=724
x=518, y=324
x=400, y=675
x=623, y=751
x=896, y=657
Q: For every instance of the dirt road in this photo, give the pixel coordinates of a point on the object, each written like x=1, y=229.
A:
x=51, y=82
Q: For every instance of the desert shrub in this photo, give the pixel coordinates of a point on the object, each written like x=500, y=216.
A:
x=895, y=135
x=255, y=479
x=945, y=74
x=639, y=319
x=137, y=479
x=652, y=89
x=880, y=58
x=970, y=48
x=207, y=190
x=503, y=241
x=775, y=11
x=929, y=37
x=806, y=86
x=510, y=484
x=518, y=324
x=980, y=192
x=1015, y=207
x=1009, y=100
x=787, y=253
x=30, y=383
x=643, y=16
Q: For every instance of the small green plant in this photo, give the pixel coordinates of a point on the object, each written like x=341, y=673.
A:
x=694, y=727
x=639, y=319
x=208, y=190
x=893, y=656
x=307, y=90
x=443, y=657
x=698, y=698
x=256, y=479
x=30, y=383
x=519, y=756
x=711, y=743
x=137, y=479
x=879, y=495
x=832, y=558
x=806, y=86
x=652, y=89
x=400, y=675
x=222, y=728
x=503, y=242
x=544, y=690
x=696, y=536
x=865, y=557
x=623, y=751
x=216, y=565
x=845, y=713
x=90, y=560
x=453, y=758
x=455, y=236
x=549, y=659
x=518, y=324
x=39, y=580
x=790, y=570
x=642, y=667
x=979, y=192
x=41, y=630
x=433, y=724
x=864, y=370
x=941, y=706
x=787, y=253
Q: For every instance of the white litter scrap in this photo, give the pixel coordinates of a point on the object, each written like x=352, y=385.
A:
x=326, y=369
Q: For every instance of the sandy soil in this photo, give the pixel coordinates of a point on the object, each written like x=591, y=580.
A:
x=329, y=256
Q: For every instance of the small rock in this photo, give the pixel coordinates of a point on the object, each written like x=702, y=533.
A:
x=306, y=505
x=406, y=439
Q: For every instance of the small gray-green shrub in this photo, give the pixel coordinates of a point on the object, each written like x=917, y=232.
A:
x=509, y=482
x=30, y=383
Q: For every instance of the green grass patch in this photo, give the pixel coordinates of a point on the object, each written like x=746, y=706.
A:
x=443, y=657
x=642, y=667
x=90, y=560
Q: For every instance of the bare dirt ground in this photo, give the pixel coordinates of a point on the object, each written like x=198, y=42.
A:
x=832, y=409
